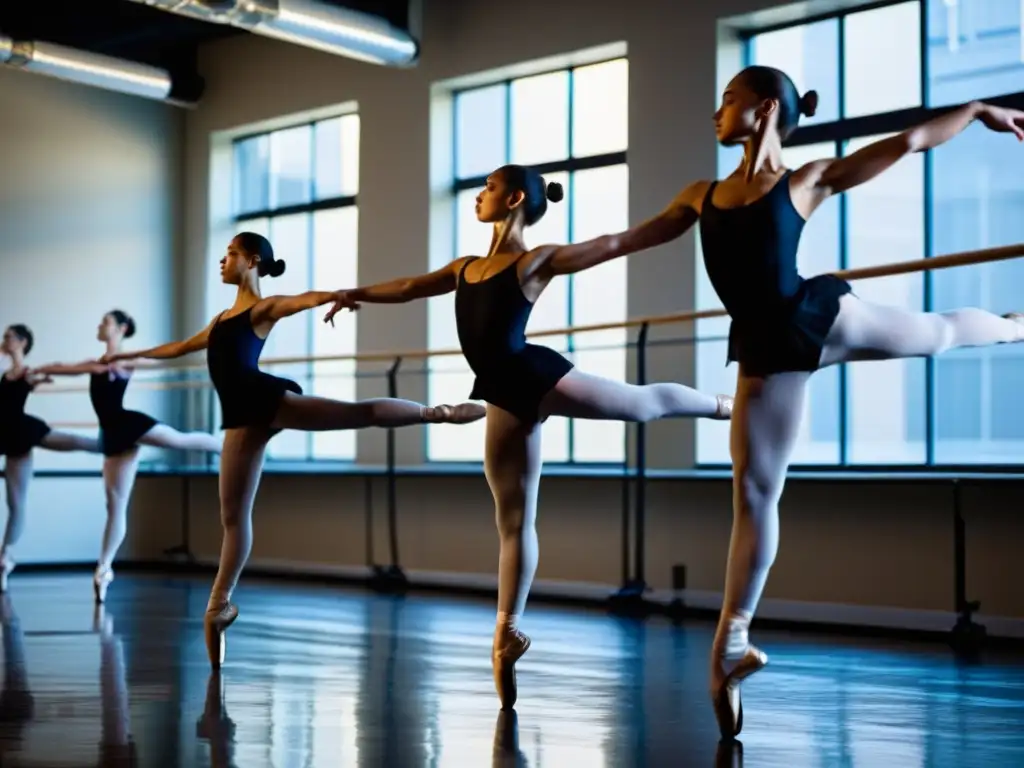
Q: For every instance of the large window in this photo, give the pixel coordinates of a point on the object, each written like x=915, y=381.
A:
x=571, y=125
x=879, y=71
x=297, y=186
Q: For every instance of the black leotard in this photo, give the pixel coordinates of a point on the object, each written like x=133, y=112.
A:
x=248, y=396
x=120, y=429
x=19, y=432
x=779, y=319
x=491, y=317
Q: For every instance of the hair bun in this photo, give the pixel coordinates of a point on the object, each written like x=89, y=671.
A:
x=277, y=268
x=554, y=192
x=809, y=103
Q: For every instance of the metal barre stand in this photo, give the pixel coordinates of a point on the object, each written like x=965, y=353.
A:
x=389, y=578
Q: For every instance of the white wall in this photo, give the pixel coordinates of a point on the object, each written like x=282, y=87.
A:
x=89, y=211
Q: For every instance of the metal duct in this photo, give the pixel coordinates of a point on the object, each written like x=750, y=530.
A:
x=310, y=23
x=86, y=68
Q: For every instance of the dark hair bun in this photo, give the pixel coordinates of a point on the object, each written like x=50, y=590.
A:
x=276, y=268
x=554, y=192
x=809, y=103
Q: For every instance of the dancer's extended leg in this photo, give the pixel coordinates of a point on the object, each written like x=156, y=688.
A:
x=585, y=396
x=867, y=331
x=318, y=414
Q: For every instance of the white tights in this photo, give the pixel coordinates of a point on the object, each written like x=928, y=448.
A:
x=512, y=463
x=766, y=421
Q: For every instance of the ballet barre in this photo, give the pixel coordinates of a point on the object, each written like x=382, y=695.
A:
x=966, y=634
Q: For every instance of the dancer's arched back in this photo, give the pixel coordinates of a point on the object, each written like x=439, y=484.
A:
x=785, y=327
x=121, y=433
x=19, y=434
x=256, y=406
x=522, y=383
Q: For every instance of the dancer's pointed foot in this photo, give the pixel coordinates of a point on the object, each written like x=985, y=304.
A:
x=464, y=413
x=724, y=412
x=509, y=647
x=215, y=625
x=726, y=676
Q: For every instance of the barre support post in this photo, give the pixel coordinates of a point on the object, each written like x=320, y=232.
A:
x=391, y=578
x=629, y=599
x=967, y=637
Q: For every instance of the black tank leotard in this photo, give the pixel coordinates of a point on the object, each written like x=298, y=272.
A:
x=120, y=429
x=248, y=396
x=19, y=432
x=491, y=317
x=779, y=319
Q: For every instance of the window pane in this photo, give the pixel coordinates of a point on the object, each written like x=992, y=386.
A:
x=886, y=400
x=290, y=166
x=883, y=59
x=335, y=264
x=810, y=55
x=292, y=336
x=977, y=197
x=337, y=157
x=600, y=108
x=975, y=50
x=540, y=118
x=600, y=205
x=480, y=131
x=552, y=311
x=252, y=174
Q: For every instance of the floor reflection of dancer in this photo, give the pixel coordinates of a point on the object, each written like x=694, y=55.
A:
x=117, y=748
x=17, y=706
x=215, y=725
x=122, y=433
x=256, y=406
x=19, y=434
x=784, y=327
x=523, y=384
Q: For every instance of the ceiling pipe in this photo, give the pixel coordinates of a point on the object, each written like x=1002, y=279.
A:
x=309, y=23
x=93, y=69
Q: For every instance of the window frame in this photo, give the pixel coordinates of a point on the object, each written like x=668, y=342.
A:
x=569, y=165
x=270, y=213
x=837, y=133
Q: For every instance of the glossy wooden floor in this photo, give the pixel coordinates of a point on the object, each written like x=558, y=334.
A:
x=323, y=677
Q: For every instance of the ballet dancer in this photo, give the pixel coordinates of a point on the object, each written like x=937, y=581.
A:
x=19, y=434
x=256, y=406
x=785, y=327
x=523, y=384
x=122, y=432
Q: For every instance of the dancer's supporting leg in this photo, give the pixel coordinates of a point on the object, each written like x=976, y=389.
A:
x=18, y=474
x=241, y=465
x=163, y=436
x=764, y=428
x=118, y=480
x=585, y=396
x=512, y=465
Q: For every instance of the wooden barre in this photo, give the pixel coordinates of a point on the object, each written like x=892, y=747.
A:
x=964, y=258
